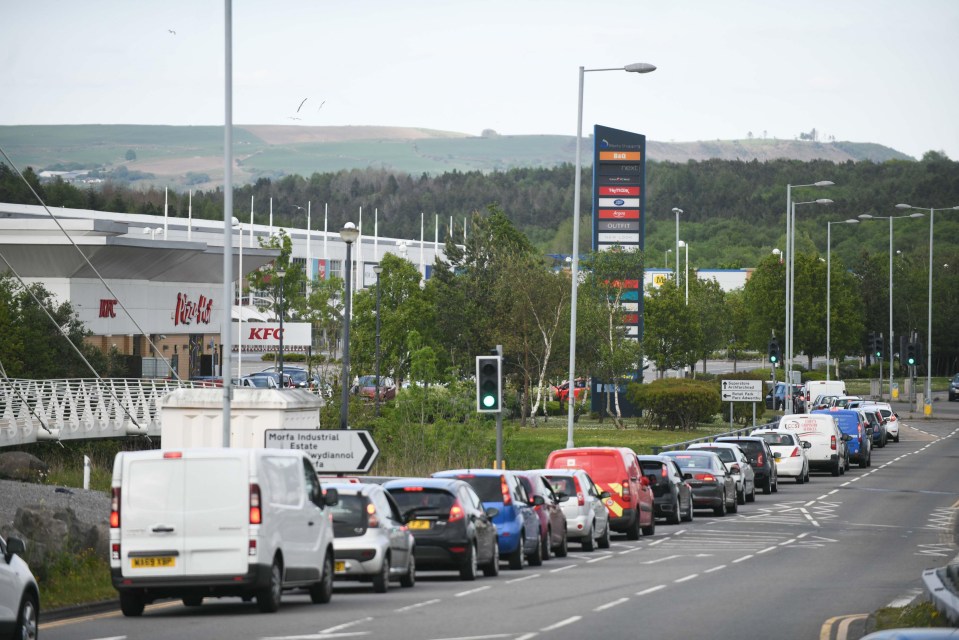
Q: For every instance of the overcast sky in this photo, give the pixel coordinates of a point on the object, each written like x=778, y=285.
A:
x=882, y=71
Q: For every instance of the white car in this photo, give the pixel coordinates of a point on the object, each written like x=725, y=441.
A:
x=789, y=451
x=737, y=464
x=371, y=540
x=19, y=594
x=587, y=519
x=891, y=418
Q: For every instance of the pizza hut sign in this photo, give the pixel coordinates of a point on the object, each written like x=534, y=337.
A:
x=189, y=312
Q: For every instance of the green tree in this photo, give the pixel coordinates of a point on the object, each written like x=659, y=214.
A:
x=670, y=332
x=707, y=306
x=737, y=326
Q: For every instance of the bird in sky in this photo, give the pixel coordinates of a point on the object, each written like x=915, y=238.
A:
x=172, y=31
x=301, y=105
x=321, y=105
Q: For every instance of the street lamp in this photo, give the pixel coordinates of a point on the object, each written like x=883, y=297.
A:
x=683, y=243
x=677, y=211
x=829, y=225
x=932, y=217
x=866, y=216
x=636, y=67
x=377, y=269
x=309, y=238
x=666, y=260
x=239, y=342
x=279, y=361
x=349, y=233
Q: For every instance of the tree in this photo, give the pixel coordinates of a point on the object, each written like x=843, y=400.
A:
x=737, y=325
x=707, y=305
x=130, y=155
x=670, y=334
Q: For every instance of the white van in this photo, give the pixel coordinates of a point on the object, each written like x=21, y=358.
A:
x=827, y=448
x=816, y=388
x=195, y=523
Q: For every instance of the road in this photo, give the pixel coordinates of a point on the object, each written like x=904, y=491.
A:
x=807, y=562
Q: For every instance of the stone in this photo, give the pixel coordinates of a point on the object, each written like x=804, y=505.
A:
x=20, y=465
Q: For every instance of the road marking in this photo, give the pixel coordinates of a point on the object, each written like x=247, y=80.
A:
x=722, y=566
x=527, y=636
x=686, y=578
x=425, y=603
x=825, y=632
x=904, y=600
x=610, y=605
x=569, y=566
x=466, y=593
x=661, y=559
x=523, y=579
x=832, y=492
x=629, y=550
x=346, y=625
x=743, y=558
x=766, y=550
x=562, y=623
x=646, y=592
x=599, y=559
x=787, y=542
x=812, y=502
x=319, y=636
x=653, y=544
x=810, y=518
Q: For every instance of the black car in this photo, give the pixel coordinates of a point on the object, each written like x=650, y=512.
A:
x=451, y=528
x=713, y=487
x=299, y=377
x=672, y=495
x=760, y=459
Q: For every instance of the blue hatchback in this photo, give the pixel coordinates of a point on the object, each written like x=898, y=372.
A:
x=853, y=423
x=517, y=525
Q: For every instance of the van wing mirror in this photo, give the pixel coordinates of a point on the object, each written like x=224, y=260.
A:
x=806, y=444
x=332, y=497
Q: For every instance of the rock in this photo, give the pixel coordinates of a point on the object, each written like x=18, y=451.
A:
x=20, y=465
x=52, y=532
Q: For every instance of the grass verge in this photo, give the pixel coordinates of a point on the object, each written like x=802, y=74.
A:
x=921, y=614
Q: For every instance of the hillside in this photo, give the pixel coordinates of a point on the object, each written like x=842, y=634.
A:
x=193, y=156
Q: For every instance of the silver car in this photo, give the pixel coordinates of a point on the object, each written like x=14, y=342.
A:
x=371, y=540
x=19, y=595
x=737, y=464
x=587, y=519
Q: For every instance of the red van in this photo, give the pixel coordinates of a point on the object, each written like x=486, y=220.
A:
x=616, y=470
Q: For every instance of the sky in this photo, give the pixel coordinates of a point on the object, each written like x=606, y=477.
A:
x=876, y=71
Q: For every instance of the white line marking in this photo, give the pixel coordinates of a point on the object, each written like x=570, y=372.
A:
x=345, y=625
x=562, y=623
x=743, y=558
x=629, y=550
x=599, y=559
x=610, y=605
x=811, y=502
x=686, y=578
x=644, y=592
x=417, y=605
x=652, y=544
x=802, y=535
x=787, y=542
x=523, y=579
x=569, y=566
x=466, y=593
x=832, y=492
x=766, y=550
x=722, y=566
x=657, y=560
x=527, y=636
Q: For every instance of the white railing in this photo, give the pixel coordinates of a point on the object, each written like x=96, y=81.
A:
x=32, y=410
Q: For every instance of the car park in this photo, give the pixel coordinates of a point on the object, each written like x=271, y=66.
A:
x=451, y=528
x=760, y=459
x=738, y=466
x=827, y=443
x=517, y=526
x=789, y=452
x=371, y=540
x=854, y=424
x=546, y=506
x=587, y=519
x=712, y=487
x=672, y=495
x=19, y=593
x=616, y=471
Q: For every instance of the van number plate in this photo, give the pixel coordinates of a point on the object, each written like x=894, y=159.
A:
x=150, y=563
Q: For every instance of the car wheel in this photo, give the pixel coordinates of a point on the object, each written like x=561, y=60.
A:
x=546, y=542
x=468, y=568
x=563, y=549
x=863, y=460
x=776, y=485
x=800, y=478
x=28, y=618
x=603, y=542
x=633, y=532
x=536, y=557
x=837, y=468
x=720, y=511
x=674, y=515
x=491, y=570
x=651, y=528
x=752, y=494
x=517, y=559
x=268, y=598
x=381, y=581
x=409, y=578
x=192, y=601
x=768, y=486
x=689, y=511
x=588, y=542
x=322, y=592
x=741, y=495
x=733, y=506
x=131, y=604
x=846, y=468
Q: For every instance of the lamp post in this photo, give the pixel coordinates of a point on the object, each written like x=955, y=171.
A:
x=677, y=211
x=928, y=359
x=239, y=342
x=349, y=233
x=377, y=269
x=684, y=244
x=309, y=238
x=636, y=67
x=791, y=285
x=829, y=225
x=279, y=361
x=666, y=260
x=866, y=216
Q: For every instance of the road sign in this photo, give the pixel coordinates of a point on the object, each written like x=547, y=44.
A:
x=344, y=451
x=742, y=390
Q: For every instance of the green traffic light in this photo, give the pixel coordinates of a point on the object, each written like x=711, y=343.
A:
x=489, y=401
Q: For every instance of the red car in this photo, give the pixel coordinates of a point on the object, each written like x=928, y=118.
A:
x=562, y=391
x=366, y=388
x=552, y=520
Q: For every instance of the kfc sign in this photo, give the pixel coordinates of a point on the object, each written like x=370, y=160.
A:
x=189, y=312
x=106, y=308
x=258, y=335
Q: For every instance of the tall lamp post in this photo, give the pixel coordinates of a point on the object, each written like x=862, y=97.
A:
x=791, y=282
x=377, y=269
x=677, y=211
x=866, y=216
x=829, y=225
x=685, y=245
x=636, y=67
x=279, y=361
x=349, y=233
x=928, y=358
x=666, y=260
x=239, y=342
x=309, y=238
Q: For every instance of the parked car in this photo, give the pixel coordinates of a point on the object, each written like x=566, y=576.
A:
x=789, y=452
x=853, y=423
x=561, y=391
x=776, y=398
x=840, y=402
x=203, y=523
x=587, y=519
x=552, y=522
x=953, y=389
x=821, y=402
x=738, y=466
x=878, y=424
x=268, y=380
x=827, y=442
x=19, y=593
x=451, y=528
x=672, y=495
x=372, y=541
x=616, y=471
x=891, y=418
x=365, y=387
x=713, y=488
x=760, y=459
x=299, y=377
x=517, y=526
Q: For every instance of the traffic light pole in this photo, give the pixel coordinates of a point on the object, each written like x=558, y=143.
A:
x=499, y=422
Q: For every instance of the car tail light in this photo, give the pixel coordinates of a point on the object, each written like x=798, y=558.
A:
x=662, y=472
x=251, y=548
x=759, y=459
x=580, y=496
x=705, y=477
x=256, y=516
x=412, y=488
x=456, y=512
x=832, y=442
x=507, y=498
x=795, y=453
x=372, y=521
x=115, y=551
x=173, y=455
x=115, y=508
x=625, y=491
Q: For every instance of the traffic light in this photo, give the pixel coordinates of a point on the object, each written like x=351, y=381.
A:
x=912, y=354
x=871, y=343
x=489, y=384
x=774, y=351
x=877, y=347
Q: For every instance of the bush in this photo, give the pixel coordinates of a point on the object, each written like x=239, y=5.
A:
x=287, y=357
x=675, y=402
